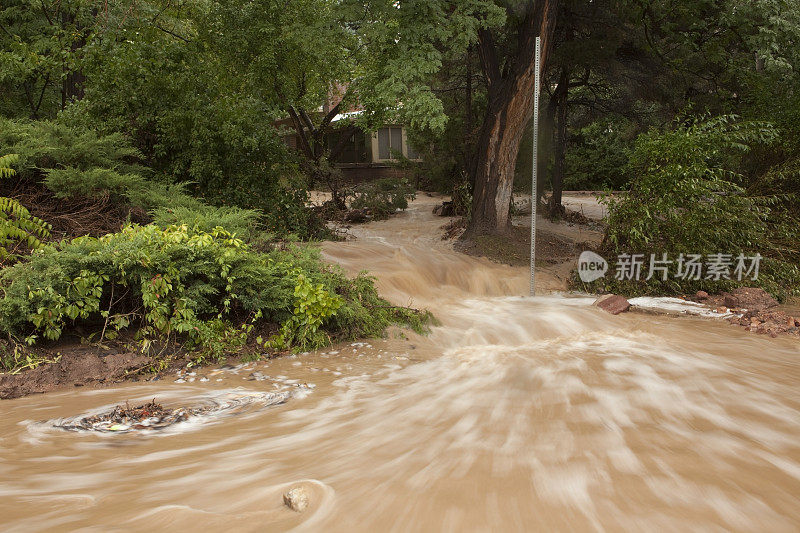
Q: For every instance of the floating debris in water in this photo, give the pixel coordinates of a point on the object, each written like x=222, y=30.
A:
x=154, y=416
x=125, y=418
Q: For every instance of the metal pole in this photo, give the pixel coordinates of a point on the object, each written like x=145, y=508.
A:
x=534, y=170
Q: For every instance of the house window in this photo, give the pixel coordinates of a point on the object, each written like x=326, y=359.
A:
x=389, y=140
x=355, y=151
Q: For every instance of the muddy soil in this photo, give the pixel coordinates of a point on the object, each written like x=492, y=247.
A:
x=76, y=365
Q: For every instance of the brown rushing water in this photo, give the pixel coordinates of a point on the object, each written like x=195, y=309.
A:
x=513, y=415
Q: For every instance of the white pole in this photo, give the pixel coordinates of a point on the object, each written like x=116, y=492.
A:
x=534, y=170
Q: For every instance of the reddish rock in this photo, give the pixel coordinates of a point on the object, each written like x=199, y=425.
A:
x=701, y=295
x=730, y=301
x=753, y=299
x=613, y=303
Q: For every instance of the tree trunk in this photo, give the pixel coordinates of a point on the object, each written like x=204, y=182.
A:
x=498, y=146
x=560, y=101
x=510, y=107
x=559, y=152
x=74, y=80
x=313, y=145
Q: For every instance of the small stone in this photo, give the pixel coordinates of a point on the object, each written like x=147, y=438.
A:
x=721, y=310
x=613, y=303
x=296, y=499
x=701, y=295
x=729, y=300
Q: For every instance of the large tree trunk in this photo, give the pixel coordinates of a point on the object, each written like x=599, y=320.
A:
x=560, y=102
x=510, y=107
x=559, y=152
x=498, y=146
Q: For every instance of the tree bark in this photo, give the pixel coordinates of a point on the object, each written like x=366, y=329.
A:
x=74, y=80
x=510, y=107
x=561, y=105
x=313, y=146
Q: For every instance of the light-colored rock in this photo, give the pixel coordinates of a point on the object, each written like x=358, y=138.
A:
x=296, y=499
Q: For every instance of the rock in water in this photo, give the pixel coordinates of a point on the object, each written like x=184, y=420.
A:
x=296, y=499
x=445, y=209
x=613, y=303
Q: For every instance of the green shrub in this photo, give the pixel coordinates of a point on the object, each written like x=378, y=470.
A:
x=44, y=145
x=686, y=197
x=382, y=197
x=17, y=225
x=462, y=199
x=206, y=289
x=71, y=182
x=598, y=156
x=74, y=163
x=286, y=213
x=313, y=305
x=244, y=223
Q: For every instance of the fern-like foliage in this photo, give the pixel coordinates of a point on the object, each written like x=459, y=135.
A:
x=5, y=165
x=17, y=225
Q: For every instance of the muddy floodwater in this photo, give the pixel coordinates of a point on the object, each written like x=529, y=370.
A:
x=513, y=415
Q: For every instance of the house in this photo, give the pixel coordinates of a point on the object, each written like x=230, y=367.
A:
x=366, y=156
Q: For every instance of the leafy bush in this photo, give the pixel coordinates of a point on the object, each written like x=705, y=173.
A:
x=598, y=157
x=205, y=288
x=286, y=213
x=244, y=223
x=75, y=163
x=313, y=305
x=686, y=197
x=44, y=145
x=462, y=199
x=17, y=225
x=382, y=197
x=71, y=182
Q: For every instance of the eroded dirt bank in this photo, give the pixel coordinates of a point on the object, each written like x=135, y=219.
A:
x=514, y=415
